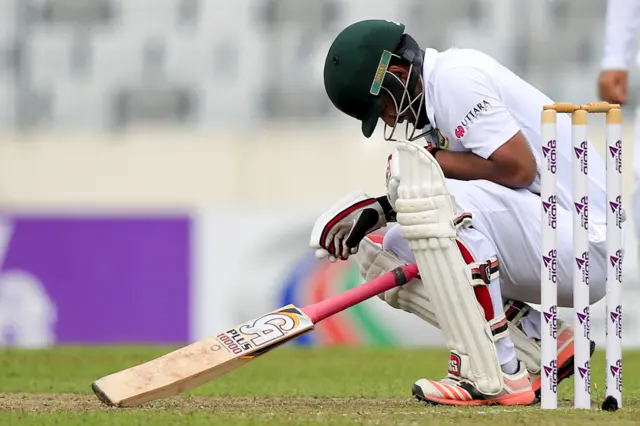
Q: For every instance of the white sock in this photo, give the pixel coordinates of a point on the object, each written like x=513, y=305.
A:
x=506, y=350
x=510, y=367
x=507, y=355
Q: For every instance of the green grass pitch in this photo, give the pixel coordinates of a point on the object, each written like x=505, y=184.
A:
x=288, y=386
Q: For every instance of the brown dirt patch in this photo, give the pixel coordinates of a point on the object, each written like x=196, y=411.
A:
x=47, y=403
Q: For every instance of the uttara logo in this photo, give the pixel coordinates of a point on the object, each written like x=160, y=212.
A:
x=476, y=112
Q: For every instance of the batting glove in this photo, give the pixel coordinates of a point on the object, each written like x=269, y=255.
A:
x=338, y=232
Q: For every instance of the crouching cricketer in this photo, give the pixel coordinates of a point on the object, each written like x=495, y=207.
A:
x=463, y=204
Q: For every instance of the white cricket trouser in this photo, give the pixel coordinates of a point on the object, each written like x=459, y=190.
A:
x=507, y=223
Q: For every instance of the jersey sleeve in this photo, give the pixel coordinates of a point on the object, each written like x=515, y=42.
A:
x=469, y=108
x=621, y=27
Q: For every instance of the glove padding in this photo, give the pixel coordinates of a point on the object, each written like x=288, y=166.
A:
x=338, y=232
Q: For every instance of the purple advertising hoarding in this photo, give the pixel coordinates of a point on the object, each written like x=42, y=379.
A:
x=75, y=280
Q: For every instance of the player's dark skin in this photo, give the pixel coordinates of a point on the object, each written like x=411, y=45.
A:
x=512, y=165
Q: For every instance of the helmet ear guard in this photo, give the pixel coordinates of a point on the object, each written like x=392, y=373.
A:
x=409, y=50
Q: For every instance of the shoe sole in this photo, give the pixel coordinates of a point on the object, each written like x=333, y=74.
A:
x=506, y=400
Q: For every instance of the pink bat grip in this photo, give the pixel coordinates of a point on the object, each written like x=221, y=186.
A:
x=338, y=303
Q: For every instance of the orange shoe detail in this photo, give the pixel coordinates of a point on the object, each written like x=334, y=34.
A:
x=565, y=358
x=565, y=346
x=453, y=391
x=520, y=398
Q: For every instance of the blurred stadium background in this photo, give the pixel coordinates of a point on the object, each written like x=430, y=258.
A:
x=162, y=161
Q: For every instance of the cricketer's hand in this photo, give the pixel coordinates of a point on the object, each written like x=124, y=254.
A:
x=612, y=86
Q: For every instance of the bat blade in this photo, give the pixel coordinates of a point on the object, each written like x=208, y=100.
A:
x=207, y=359
x=202, y=361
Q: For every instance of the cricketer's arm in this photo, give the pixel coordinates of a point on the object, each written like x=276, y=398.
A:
x=494, y=147
x=621, y=29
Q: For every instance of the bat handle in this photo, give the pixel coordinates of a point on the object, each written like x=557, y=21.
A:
x=338, y=303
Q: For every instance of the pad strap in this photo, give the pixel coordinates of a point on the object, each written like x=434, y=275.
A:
x=516, y=311
x=463, y=221
x=499, y=327
x=484, y=273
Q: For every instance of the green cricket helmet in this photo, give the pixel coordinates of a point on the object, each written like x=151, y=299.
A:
x=356, y=75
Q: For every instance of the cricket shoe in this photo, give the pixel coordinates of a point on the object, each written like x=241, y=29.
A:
x=565, y=357
x=454, y=390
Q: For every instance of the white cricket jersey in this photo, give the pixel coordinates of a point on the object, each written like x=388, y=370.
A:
x=477, y=104
x=621, y=31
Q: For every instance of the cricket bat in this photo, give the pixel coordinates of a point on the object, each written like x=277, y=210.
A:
x=209, y=358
